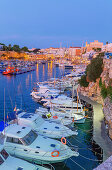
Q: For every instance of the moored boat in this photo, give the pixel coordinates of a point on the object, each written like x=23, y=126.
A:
x=24, y=143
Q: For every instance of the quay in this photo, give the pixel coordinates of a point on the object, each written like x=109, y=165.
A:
x=100, y=135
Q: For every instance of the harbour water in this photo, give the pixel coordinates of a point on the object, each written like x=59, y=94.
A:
x=17, y=93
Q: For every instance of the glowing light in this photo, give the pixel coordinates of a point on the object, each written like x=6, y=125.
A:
x=37, y=72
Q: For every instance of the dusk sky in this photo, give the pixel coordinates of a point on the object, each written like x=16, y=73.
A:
x=46, y=23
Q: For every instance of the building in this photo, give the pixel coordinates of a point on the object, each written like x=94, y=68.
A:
x=54, y=51
x=92, y=45
x=74, y=51
x=107, y=48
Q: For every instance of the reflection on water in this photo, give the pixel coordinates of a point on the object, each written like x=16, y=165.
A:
x=43, y=72
x=27, y=81
x=50, y=68
x=37, y=72
x=18, y=89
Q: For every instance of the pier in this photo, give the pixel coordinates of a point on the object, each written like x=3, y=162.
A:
x=100, y=135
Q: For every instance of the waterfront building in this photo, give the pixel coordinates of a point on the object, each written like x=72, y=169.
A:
x=74, y=51
x=107, y=48
x=93, y=45
x=54, y=51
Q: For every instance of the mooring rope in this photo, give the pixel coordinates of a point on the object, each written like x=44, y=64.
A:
x=77, y=164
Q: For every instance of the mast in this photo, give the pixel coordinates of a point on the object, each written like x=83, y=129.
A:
x=72, y=95
x=4, y=111
x=77, y=99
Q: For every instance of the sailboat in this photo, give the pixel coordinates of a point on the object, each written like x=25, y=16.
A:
x=65, y=106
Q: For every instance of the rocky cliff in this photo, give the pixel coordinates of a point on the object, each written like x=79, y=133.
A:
x=93, y=91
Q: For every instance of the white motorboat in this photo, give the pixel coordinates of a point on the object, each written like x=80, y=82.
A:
x=60, y=116
x=53, y=117
x=43, y=127
x=12, y=163
x=44, y=92
x=64, y=103
x=24, y=143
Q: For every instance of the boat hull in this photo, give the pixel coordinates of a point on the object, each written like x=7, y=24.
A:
x=80, y=120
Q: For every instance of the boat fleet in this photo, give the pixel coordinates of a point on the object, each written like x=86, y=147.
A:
x=33, y=139
x=16, y=67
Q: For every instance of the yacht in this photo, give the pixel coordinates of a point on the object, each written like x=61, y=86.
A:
x=43, y=127
x=63, y=105
x=44, y=92
x=61, y=116
x=12, y=163
x=25, y=143
x=51, y=116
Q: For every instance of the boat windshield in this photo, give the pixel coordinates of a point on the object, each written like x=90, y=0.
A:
x=1, y=160
x=29, y=138
x=4, y=154
x=39, y=121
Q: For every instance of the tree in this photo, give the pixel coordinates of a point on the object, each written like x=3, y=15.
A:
x=25, y=49
x=97, y=49
x=94, y=69
x=83, y=82
x=101, y=54
x=2, y=44
x=16, y=48
x=5, y=48
x=10, y=47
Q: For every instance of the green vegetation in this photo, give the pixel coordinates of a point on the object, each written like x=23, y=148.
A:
x=100, y=82
x=83, y=82
x=101, y=54
x=94, y=69
x=109, y=91
x=104, y=91
x=15, y=48
x=2, y=44
x=97, y=49
x=24, y=49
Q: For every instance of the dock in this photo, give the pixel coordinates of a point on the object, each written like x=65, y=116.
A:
x=100, y=135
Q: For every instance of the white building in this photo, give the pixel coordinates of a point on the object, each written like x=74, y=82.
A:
x=54, y=51
x=107, y=47
x=74, y=51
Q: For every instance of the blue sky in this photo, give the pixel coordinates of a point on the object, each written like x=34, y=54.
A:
x=45, y=23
